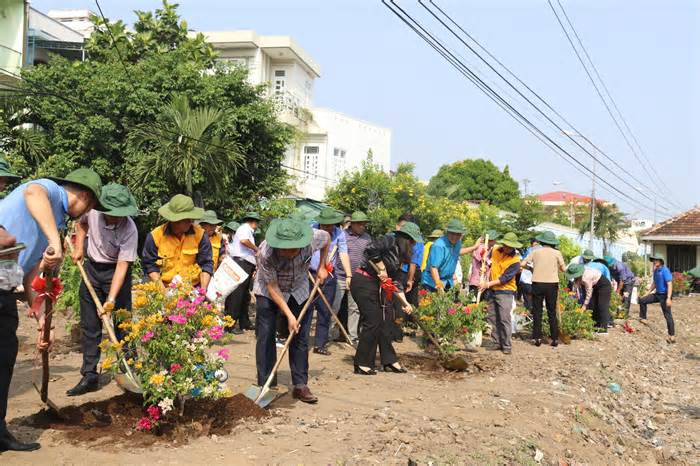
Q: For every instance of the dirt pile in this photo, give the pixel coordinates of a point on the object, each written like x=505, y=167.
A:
x=114, y=421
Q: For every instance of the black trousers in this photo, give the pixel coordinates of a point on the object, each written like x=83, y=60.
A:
x=661, y=299
x=100, y=276
x=627, y=300
x=265, y=350
x=600, y=303
x=237, y=303
x=377, y=323
x=8, y=348
x=526, y=292
x=547, y=292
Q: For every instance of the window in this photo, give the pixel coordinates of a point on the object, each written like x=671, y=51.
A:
x=280, y=73
x=311, y=161
x=338, y=162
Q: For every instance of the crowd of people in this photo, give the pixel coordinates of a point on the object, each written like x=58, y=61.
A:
x=373, y=282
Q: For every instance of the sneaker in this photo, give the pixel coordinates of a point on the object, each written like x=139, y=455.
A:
x=280, y=343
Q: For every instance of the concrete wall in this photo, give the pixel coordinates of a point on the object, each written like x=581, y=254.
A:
x=12, y=21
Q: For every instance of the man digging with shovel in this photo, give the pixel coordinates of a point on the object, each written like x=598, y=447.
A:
x=281, y=285
x=33, y=214
x=112, y=240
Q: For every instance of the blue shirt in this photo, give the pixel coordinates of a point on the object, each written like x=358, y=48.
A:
x=603, y=269
x=662, y=275
x=16, y=219
x=622, y=273
x=417, y=257
x=444, y=257
x=338, y=244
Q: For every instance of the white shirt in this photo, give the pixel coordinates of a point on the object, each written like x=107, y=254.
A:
x=239, y=250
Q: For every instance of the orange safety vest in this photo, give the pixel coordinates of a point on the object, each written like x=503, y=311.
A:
x=177, y=256
x=499, y=264
x=217, y=242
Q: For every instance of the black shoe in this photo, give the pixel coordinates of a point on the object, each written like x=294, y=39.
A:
x=555, y=343
x=85, y=385
x=538, y=342
x=361, y=371
x=9, y=443
x=394, y=369
x=322, y=350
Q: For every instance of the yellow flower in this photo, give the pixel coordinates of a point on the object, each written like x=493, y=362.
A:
x=107, y=363
x=122, y=314
x=118, y=346
x=138, y=365
x=140, y=301
x=104, y=344
x=208, y=320
x=426, y=318
x=130, y=361
x=228, y=321
x=157, y=379
x=125, y=325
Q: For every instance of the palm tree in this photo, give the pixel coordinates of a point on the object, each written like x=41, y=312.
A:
x=183, y=148
x=609, y=222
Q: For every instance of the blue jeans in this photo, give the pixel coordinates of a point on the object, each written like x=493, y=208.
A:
x=323, y=316
x=265, y=349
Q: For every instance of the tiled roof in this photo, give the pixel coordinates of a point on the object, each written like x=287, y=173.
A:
x=564, y=196
x=685, y=224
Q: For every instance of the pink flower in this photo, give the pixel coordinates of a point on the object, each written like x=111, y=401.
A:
x=467, y=310
x=178, y=319
x=191, y=311
x=202, y=292
x=144, y=424
x=181, y=303
x=199, y=334
x=215, y=333
x=172, y=285
x=174, y=367
x=147, y=336
x=451, y=311
x=153, y=412
x=223, y=354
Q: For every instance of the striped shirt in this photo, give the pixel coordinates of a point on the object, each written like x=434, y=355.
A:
x=292, y=276
x=356, y=250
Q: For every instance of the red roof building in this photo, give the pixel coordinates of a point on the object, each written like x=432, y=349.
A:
x=559, y=198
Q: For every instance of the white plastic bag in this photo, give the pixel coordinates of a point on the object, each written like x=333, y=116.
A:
x=226, y=279
x=634, y=298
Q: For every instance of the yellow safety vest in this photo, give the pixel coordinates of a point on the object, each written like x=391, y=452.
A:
x=216, y=243
x=177, y=256
x=426, y=254
x=499, y=264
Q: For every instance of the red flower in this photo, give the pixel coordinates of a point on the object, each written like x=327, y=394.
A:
x=174, y=367
x=423, y=293
x=144, y=424
x=153, y=412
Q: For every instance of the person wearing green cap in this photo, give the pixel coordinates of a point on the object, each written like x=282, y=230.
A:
x=178, y=247
x=501, y=286
x=357, y=240
x=443, y=258
x=546, y=262
x=210, y=223
x=242, y=250
x=479, y=255
x=380, y=269
x=660, y=292
x=432, y=237
x=329, y=220
x=106, y=243
x=6, y=175
x=597, y=291
x=33, y=213
x=282, y=286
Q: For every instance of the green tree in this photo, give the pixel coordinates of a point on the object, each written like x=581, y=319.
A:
x=608, y=224
x=529, y=213
x=183, y=150
x=475, y=180
x=568, y=248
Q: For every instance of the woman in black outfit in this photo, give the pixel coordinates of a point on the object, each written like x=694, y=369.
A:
x=387, y=254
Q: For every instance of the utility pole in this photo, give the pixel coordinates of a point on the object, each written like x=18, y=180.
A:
x=526, y=182
x=590, y=240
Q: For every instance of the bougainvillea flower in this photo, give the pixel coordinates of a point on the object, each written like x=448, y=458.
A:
x=174, y=367
x=153, y=412
x=178, y=319
x=147, y=336
x=144, y=424
x=451, y=311
x=423, y=293
x=223, y=354
x=215, y=333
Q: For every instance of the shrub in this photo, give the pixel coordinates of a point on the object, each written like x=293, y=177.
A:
x=681, y=283
x=451, y=318
x=575, y=322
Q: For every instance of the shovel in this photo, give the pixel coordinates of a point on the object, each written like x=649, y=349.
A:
x=333, y=314
x=483, y=267
x=126, y=381
x=262, y=396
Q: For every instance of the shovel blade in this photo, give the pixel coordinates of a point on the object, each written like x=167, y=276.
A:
x=253, y=393
x=127, y=384
x=456, y=363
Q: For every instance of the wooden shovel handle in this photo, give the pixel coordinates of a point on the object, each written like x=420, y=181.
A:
x=46, y=334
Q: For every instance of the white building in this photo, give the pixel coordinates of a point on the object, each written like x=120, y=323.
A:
x=626, y=242
x=77, y=20
x=332, y=143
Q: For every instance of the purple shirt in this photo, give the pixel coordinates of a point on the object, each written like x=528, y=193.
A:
x=108, y=244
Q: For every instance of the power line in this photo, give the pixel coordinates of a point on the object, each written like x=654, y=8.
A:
x=650, y=173
x=462, y=68
x=566, y=133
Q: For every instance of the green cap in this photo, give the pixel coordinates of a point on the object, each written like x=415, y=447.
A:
x=288, y=233
x=329, y=216
x=435, y=234
x=251, y=216
x=359, y=217
x=232, y=225
x=411, y=230
x=210, y=218
x=493, y=235
x=511, y=239
x=694, y=272
x=118, y=201
x=547, y=237
x=180, y=207
x=609, y=260
x=588, y=255
x=455, y=226
x=85, y=177
x=574, y=271
x=657, y=257
x=5, y=170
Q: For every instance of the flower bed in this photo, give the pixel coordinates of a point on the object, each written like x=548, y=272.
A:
x=452, y=319
x=169, y=334
x=576, y=322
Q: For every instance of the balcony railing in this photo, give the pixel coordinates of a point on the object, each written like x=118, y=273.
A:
x=288, y=102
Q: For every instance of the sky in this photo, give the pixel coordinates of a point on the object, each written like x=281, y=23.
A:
x=374, y=68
